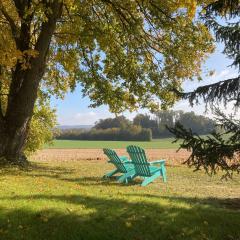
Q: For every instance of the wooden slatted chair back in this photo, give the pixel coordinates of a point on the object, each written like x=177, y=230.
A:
x=114, y=159
x=139, y=160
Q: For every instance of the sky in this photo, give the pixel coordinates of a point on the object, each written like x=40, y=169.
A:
x=74, y=109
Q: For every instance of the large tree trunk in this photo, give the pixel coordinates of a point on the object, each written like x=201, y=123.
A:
x=15, y=129
x=24, y=88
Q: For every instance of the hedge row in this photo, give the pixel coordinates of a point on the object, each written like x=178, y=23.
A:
x=134, y=133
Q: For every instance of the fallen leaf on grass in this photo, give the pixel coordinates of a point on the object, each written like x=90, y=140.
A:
x=69, y=210
x=20, y=226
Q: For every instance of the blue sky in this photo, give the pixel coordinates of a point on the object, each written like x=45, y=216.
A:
x=74, y=110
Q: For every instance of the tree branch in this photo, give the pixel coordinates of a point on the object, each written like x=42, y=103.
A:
x=217, y=92
x=21, y=6
x=162, y=11
x=11, y=22
x=31, y=77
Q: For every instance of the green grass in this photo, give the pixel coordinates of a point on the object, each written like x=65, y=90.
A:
x=69, y=200
x=165, y=143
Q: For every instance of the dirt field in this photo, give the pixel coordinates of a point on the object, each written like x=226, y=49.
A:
x=172, y=157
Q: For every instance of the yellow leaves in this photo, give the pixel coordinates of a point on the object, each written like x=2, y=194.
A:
x=122, y=54
x=71, y=6
x=70, y=210
x=8, y=52
x=190, y=5
x=153, y=106
x=30, y=53
x=10, y=56
x=192, y=8
x=8, y=10
x=20, y=226
x=128, y=224
x=25, y=57
x=41, y=128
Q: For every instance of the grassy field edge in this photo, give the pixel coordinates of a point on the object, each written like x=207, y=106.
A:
x=165, y=143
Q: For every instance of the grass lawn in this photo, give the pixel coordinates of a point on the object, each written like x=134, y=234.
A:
x=69, y=200
x=165, y=143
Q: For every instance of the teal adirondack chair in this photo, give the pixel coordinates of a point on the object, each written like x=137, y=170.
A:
x=148, y=170
x=122, y=164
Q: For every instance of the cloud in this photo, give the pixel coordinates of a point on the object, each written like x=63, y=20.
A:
x=84, y=115
x=83, y=118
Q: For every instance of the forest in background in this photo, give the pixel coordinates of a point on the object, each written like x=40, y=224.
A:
x=142, y=128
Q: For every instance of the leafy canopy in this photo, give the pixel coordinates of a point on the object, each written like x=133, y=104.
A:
x=125, y=54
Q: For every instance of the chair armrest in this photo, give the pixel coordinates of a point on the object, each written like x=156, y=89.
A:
x=124, y=158
x=128, y=162
x=157, y=162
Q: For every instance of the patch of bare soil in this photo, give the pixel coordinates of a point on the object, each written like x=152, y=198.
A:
x=170, y=155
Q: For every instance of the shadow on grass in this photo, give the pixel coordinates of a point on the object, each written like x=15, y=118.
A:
x=227, y=203
x=64, y=174
x=100, y=218
x=48, y=171
x=91, y=181
x=134, y=217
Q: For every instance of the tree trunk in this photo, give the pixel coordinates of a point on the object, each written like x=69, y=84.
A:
x=24, y=89
x=12, y=143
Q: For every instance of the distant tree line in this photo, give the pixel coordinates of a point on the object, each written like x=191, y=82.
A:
x=197, y=123
x=142, y=128
x=113, y=129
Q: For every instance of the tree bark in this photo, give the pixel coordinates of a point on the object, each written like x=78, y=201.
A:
x=24, y=89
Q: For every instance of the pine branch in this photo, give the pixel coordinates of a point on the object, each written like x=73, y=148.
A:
x=224, y=7
x=228, y=34
x=216, y=152
x=230, y=125
x=220, y=92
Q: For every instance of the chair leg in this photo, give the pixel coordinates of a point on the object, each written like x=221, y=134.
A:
x=124, y=177
x=110, y=174
x=148, y=180
x=119, y=177
x=130, y=178
x=164, y=173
